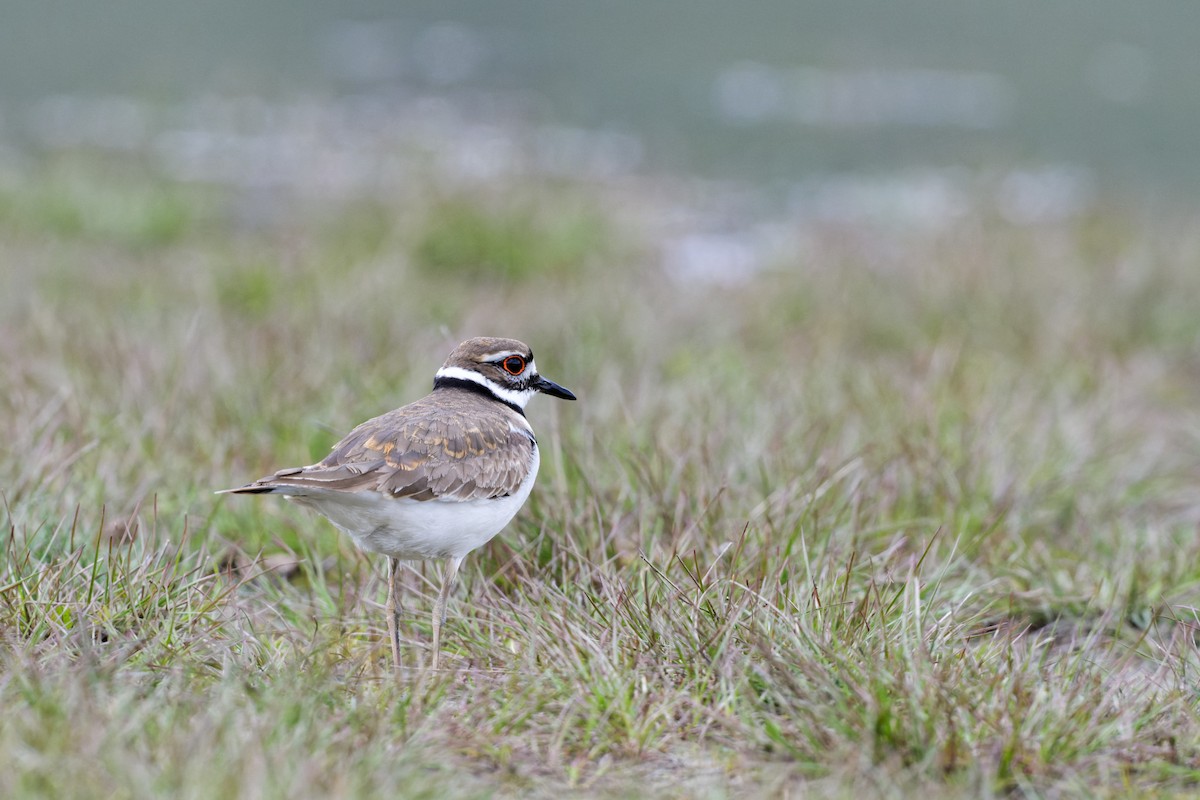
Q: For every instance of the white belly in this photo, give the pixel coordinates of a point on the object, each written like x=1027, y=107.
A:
x=417, y=530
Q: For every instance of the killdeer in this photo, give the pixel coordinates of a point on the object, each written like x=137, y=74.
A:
x=437, y=478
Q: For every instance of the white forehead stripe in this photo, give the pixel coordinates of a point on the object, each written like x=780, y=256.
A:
x=518, y=399
x=500, y=355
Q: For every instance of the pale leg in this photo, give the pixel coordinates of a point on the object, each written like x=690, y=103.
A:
x=393, y=609
x=439, y=610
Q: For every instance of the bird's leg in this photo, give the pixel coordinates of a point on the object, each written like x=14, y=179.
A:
x=439, y=610
x=393, y=609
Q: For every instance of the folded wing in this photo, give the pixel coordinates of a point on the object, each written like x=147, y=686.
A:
x=418, y=452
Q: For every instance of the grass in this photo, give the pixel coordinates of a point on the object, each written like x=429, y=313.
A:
x=903, y=513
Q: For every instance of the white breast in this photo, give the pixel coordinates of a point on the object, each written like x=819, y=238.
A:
x=416, y=530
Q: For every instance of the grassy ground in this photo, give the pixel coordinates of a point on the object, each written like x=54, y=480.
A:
x=906, y=512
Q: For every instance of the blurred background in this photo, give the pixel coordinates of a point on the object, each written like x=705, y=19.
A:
x=827, y=109
x=883, y=323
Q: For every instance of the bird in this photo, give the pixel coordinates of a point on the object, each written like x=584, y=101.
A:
x=437, y=478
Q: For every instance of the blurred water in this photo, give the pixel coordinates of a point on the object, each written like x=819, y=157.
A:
x=1095, y=92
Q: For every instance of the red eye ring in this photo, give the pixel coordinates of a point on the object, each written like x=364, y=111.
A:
x=513, y=365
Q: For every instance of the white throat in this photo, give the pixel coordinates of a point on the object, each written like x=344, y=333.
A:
x=518, y=399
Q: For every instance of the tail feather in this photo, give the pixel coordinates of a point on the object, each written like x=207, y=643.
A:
x=252, y=489
x=302, y=481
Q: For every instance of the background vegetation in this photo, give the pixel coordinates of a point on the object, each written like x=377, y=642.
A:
x=904, y=511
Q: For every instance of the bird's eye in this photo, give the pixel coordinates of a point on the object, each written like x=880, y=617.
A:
x=514, y=365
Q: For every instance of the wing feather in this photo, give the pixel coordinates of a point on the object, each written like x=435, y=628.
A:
x=449, y=450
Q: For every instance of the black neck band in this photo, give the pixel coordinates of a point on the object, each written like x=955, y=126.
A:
x=477, y=388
